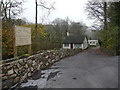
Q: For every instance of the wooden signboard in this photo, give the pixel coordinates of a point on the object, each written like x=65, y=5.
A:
x=22, y=36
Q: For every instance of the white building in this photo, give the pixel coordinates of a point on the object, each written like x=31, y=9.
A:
x=93, y=42
x=72, y=42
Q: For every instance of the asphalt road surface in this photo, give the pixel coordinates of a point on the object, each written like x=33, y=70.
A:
x=84, y=70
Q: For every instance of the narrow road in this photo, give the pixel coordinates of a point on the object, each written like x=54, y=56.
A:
x=84, y=70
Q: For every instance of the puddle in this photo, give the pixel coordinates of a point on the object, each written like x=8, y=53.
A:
x=74, y=78
x=54, y=68
x=52, y=75
x=41, y=79
x=27, y=88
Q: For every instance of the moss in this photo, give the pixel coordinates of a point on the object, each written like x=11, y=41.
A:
x=26, y=54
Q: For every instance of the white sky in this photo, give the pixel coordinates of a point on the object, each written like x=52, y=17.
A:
x=74, y=9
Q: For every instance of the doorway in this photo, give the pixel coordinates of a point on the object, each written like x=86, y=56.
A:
x=71, y=45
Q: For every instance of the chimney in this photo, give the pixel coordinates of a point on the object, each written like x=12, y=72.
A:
x=68, y=34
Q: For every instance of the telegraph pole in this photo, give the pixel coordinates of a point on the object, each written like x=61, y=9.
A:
x=36, y=8
x=36, y=22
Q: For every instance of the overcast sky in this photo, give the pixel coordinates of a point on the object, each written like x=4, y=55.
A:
x=74, y=9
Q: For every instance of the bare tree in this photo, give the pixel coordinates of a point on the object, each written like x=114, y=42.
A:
x=61, y=26
x=11, y=8
x=43, y=4
x=105, y=16
x=97, y=11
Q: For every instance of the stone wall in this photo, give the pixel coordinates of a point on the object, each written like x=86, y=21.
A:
x=17, y=71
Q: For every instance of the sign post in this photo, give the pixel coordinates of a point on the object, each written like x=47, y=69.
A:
x=14, y=45
x=29, y=49
x=22, y=36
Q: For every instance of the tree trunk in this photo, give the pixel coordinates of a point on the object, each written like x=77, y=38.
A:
x=105, y=16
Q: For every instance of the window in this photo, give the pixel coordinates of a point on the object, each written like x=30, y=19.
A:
x=66, y=45
x=93, y=42
x=77, y=45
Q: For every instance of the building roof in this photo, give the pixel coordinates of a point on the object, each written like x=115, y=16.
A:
x=74, y=39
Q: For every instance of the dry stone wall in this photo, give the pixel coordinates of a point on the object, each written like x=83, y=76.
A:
x=17, y=71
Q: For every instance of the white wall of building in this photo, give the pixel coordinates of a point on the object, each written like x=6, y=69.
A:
x=82, y=46
x=92, y=42
x=85, y=44
x=77, y=46
x=68, y=47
